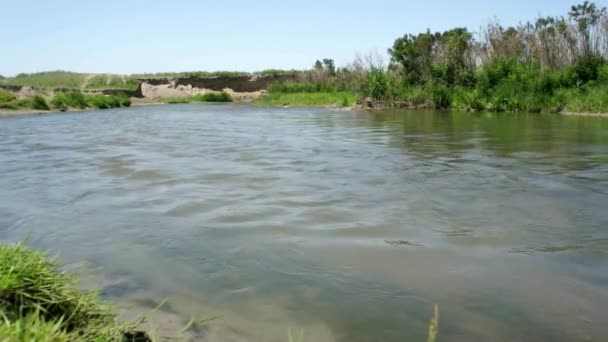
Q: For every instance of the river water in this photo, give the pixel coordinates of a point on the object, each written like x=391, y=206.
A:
x=323, y=225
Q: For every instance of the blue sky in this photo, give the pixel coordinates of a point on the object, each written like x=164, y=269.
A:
x=123, y=36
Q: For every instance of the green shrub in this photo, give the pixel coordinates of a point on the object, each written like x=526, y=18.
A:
x=378, y=83
x=602, y=74
x=39, y=103
x=466, y=78
x=587, y=68
x=106, y=101
x=468, y=100
x=5, y=96
x=345, y=102
x=214, y=97
x=69, y=100
x=417, y=95
x=441, y=96
x=209, y=97
x=125, y=101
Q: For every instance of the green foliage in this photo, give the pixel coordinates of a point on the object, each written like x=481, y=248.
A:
x=602, y=74
x=413, y=54
x=468, y=101
x=111, y=82
x=587, y=68
x=52, y=79
x=5, y=96
x=590, y=99
x=329, y=66
x=16, y=104
x=208, y=97
x=306, y=99
x=441, y=96
x=69, y=100
x=64, y=101
x=345, y=102
x=38, y=302
x=302, y=87
x=215, y=97
x=103, y=101
x=39, y=103
x=72, y=80
x=378, y=83
x=124, y=101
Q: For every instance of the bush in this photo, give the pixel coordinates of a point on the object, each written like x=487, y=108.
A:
x=587, y=68
x=106, y=101
x=39, y=103
x=125, y=101
x=441, y=96
x=378, y=83
x=215, y=97
x=5, y=96
x=602, y=74
x=66, y=100
x=345, y=102
x=468, y=100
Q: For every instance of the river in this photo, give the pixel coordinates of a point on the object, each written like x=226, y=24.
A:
x=323, y=225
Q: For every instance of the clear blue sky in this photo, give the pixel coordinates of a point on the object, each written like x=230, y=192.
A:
x=129, y=36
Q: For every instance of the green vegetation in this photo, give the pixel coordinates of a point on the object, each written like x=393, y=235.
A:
x=549, y=65
x=64, y=101
x=71, y=80
x=111, y=82
x=38, y=302
x=209, y=97
x=10, y=101
x=5, y=96
x=39, y=103
x=52, y=79
x=337, y=98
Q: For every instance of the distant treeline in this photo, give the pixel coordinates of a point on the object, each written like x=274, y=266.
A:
x=551, y=64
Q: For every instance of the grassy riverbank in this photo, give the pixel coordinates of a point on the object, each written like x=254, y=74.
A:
x=62, y=101
x=39, y=302
x=339, y=98
x=551, y=64
x=71, y=80
x=209, y=97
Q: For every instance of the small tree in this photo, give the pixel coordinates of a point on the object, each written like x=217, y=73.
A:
x=318, y=65
x=329, y=66
x=587, y=16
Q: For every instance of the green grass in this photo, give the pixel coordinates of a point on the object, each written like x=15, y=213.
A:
x=71, y=80
x=51, y=79
x=76, y=100
x=6, y=96
x=39, y=103
x=342, y=98
x=10, y=101
x=38, y=302
x=209, y=97
x=592, y=99
x=111, y=82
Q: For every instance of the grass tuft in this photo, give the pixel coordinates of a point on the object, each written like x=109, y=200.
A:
x=40, y=303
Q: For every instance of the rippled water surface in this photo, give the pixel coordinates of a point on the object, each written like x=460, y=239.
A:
x=333, y=226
